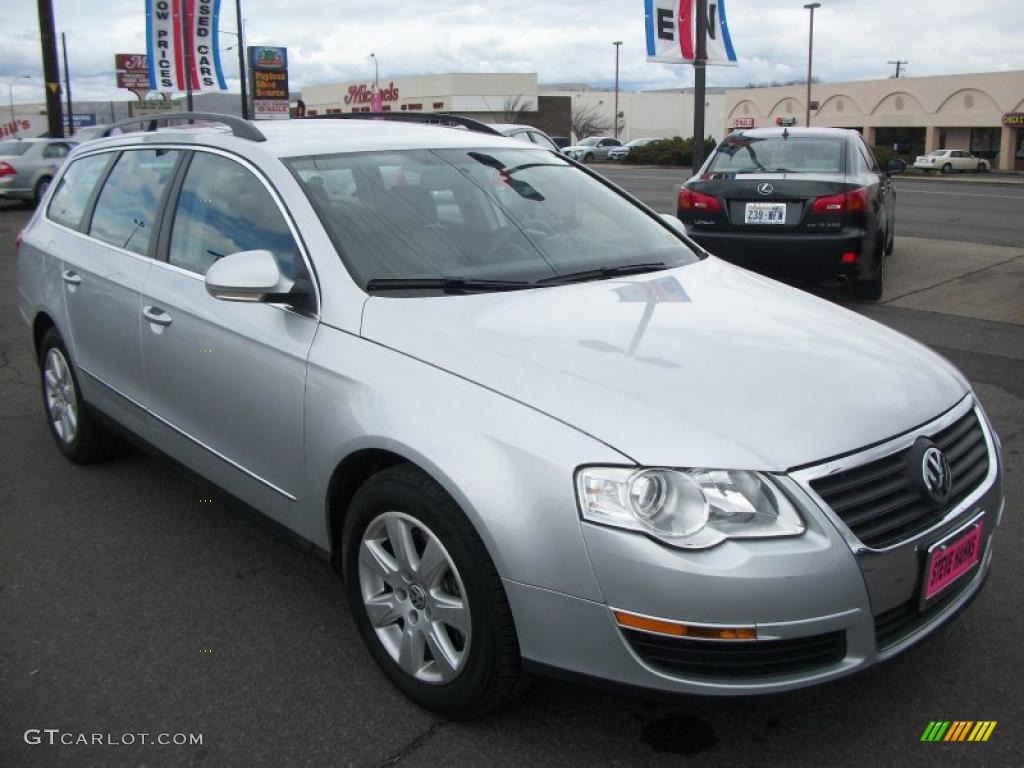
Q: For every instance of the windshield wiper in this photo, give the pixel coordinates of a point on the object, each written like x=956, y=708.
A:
x=445, y=284
x=603, y=272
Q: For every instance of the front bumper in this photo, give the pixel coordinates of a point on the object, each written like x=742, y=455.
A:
x=824, y=605
x=803, y=255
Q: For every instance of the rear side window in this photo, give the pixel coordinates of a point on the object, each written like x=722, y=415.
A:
x=223, y=209
x=128, y=205
x=75, y=188
x=56, y=151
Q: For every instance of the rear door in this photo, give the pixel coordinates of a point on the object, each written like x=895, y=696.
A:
x=226, y=380
x=103, y=272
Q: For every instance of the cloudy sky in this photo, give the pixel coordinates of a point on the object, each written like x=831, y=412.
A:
x=330, y=41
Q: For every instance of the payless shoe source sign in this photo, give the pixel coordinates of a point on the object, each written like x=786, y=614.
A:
x=269, y=68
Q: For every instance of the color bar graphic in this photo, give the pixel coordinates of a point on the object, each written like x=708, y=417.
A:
x=958, y=730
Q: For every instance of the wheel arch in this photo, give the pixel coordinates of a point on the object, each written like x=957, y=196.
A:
x=40, y=325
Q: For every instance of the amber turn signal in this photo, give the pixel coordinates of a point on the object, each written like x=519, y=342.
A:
x=677, y=629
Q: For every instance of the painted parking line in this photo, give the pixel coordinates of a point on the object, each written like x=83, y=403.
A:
x=916, y=191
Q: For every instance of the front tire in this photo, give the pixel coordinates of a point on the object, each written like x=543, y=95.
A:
x=589, y=157
x=426, y=596
x=75, y=429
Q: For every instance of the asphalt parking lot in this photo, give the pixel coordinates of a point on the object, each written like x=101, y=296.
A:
x=130, y=602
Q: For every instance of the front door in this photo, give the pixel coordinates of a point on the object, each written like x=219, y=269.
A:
x=226, y=380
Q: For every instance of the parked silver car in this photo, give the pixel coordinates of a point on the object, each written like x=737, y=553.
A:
x=592, y=148
x=526, y=133
x=534, y=426
x=28, y=165
x=620, y=153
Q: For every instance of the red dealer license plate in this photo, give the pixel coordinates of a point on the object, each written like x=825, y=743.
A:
x=951, y=559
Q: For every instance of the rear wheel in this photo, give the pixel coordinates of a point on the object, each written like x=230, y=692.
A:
x=78, y=433
x=871, y=289
x=890, y=240
x=589, y=157
x=41, y=186
x=947, y=168
x=426, y=596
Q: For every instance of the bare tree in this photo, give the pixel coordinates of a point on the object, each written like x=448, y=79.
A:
x=515, y=109
x=589, y=121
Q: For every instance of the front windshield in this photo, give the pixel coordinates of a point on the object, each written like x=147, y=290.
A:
x=590, y=141
x=775, y=154
x=638, y=142
x=502, y=214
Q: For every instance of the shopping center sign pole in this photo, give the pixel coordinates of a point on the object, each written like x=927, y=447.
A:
x=700, y=63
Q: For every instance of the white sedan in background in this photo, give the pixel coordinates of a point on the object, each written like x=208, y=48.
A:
x=949, y=160
x=619, y=153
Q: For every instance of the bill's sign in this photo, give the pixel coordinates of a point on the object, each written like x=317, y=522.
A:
x=671, y=27
x=168, y=34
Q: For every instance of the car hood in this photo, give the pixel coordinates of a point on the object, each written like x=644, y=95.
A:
x=703, y=365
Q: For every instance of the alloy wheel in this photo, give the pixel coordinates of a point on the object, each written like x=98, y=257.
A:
x=61, y=399
x=414, y=597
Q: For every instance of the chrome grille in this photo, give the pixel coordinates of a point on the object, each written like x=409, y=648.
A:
x=877, y=500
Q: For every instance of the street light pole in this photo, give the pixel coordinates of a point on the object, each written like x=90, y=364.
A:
x=376, y=70
x=618, y=45
x=810, y=60
x=10, y=96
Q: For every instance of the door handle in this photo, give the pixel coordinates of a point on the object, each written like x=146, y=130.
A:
x=71, y=278
x=156, y=316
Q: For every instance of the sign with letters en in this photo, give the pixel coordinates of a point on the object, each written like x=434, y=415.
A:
x=168, y=32
x=269, y=67
x=671, y=28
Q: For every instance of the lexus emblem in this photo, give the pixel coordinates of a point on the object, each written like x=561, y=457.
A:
x=765, y=189
x=938, y=479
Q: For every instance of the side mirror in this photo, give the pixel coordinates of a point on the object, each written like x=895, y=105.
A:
x=673, y=221
x=250, y=276
x=895, y=165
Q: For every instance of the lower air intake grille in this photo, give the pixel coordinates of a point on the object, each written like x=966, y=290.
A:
x=737, y=659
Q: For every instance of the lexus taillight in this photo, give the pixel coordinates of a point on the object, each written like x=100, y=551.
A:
x=854, y=201
x=697, y=201
x=6, y=169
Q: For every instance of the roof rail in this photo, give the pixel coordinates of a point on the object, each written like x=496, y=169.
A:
x=429, y=118
x=243, y=129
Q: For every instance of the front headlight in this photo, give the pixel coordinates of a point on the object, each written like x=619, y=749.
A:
x=689, y=508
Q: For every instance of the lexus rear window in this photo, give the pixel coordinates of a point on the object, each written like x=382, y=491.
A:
x=775, y=154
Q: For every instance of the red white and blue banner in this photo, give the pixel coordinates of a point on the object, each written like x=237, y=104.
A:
x=671, y=27
x=167, y=36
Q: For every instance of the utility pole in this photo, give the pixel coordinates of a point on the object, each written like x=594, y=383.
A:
x=810, y=60
x=186, y=41
x=617, y=44
x=899, y=68
x=241, y=59
x=67, y=85
x=700, y=68
x=51, y=70
x=376, y=70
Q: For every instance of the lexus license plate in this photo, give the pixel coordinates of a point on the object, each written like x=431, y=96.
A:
x=765, y=213
x=949, y=560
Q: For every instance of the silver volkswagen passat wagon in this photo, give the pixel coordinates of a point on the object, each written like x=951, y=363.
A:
x=534, y=427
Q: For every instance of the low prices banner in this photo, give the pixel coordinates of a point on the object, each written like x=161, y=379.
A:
x=671, y=28
x=169, y=33
x=269, y=68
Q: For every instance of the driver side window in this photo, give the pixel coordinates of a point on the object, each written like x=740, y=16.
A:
x=223, y=209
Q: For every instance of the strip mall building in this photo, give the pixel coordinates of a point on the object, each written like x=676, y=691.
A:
x=982, y=113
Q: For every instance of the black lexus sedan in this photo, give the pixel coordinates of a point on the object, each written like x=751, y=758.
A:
x=796, y=203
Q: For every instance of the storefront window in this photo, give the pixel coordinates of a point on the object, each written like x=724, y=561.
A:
x=985, y=142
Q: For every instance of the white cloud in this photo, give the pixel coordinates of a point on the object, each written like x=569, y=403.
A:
x=331, y=42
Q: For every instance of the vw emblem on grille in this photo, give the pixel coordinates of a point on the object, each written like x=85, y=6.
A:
x=765, y=189
x=937, y=476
